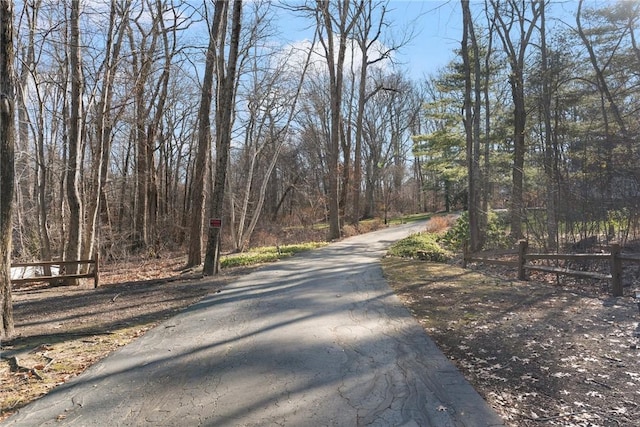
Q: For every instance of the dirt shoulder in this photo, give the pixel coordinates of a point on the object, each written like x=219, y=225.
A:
x=541, y=355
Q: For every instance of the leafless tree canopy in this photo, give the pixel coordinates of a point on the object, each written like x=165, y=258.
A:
x=132, y=131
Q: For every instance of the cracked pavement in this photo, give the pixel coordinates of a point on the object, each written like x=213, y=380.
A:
x=316, y=340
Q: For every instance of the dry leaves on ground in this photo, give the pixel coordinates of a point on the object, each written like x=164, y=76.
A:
x=61, y=331
x=539, y=354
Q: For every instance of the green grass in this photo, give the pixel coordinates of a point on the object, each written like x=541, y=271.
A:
x=272, y=253
x=420, y=242
x=266, y=254
x=410, y=218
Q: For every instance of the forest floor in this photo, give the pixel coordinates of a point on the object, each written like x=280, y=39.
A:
x=541, y=354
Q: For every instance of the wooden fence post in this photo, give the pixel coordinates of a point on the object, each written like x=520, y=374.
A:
x=522, y=251
x=465, y=253
x=96, y=266
x=616, y=270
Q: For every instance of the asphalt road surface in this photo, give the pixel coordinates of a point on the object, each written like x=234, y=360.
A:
x=316, y=340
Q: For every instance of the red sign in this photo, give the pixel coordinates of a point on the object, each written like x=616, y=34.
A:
x=215, y=223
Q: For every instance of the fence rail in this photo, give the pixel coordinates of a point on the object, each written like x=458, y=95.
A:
x=93, y=271
x=522, y=263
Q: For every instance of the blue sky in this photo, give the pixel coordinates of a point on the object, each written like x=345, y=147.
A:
x=435, y=26
x=437, y=29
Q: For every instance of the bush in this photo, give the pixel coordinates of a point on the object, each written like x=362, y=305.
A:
x=349, y=230
x=370, y=225
x=496, y=235
x=425, y=243
x=438, y=224
x=455, y=237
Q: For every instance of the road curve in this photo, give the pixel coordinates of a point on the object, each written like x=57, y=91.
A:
x=316, y=340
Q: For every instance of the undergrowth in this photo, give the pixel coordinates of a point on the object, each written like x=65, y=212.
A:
x=266, y=254
x=420, y=245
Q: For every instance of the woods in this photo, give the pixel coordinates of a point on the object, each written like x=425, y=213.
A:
x=132, y=131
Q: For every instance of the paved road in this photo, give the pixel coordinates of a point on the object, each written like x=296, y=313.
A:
x=317, y=340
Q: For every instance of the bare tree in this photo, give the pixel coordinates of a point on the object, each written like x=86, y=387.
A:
x=74, y=164
x=27, y=126
x=272, y=100
x=194, y=255
x=387, y=119
x=367, y=35
x=104, y=124
x=150, y=96
x=7, y=141
x=226, y=78
x=335, y=22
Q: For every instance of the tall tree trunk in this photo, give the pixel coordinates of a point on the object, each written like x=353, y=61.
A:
x=346, y=19
x=142, y=172
x=365, y=41
x=26, y=74
x=519, y=143
x=475, y=200
x=357, y=161
x=7, y=141
x=486, y=189
x=102, y=151
x=201, y=171
x=74, y=244
x=41, y=171
x=335, y=89
x=224, y=122
x=471, y=108
x=25, y=181
x=515, y=48
x=549, y=137
x=147, y=123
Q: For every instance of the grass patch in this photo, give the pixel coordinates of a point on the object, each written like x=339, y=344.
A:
x=420, y=245
x=266, y=254
x=409, y=218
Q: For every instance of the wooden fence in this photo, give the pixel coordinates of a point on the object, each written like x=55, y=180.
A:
x=521, y=261
x=92, y=271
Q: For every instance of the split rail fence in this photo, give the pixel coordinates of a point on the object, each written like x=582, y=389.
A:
x=522, y=263
x=92, y=271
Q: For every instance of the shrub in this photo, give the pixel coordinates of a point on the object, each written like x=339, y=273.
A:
x=425, y=243
x=349, y=230
x=496, y=236
x=455, y=237
x=438, y=224
x=370, y=225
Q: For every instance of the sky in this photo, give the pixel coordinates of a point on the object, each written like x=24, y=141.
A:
x=437, y=29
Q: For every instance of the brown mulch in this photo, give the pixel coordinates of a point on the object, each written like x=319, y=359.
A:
x=541, y=353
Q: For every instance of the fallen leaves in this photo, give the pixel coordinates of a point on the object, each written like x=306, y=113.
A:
x=541, y=355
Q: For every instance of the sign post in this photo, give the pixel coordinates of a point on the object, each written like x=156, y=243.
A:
x=215, y=223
